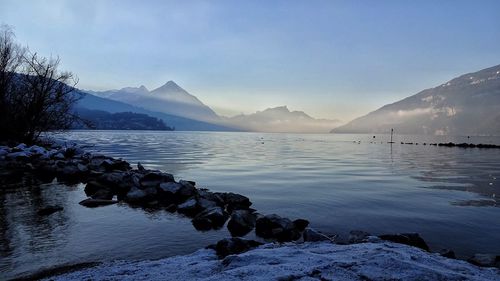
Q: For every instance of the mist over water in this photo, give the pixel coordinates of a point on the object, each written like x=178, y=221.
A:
x=338, y=182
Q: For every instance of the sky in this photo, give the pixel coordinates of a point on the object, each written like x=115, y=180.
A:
x=331, y=59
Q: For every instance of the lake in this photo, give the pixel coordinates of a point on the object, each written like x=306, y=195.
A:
x=338, y=182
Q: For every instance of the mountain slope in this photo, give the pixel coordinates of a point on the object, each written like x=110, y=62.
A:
x=467, y=105
x=103, y=120
x=93, y=102
x=169, y=98
x=281, y=119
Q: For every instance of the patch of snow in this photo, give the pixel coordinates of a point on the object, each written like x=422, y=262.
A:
x=307, y=261
x=450, y=111
x=441, y=132
x=477, y=81
x=413, y=112
x=427, y=99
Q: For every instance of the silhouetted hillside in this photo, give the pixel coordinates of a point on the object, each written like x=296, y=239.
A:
x=102, y=120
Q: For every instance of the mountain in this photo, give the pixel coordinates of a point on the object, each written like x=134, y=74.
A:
x=103, y=120
x=173, y=100
x=467, y=105
x=92, y=102
x=169, y=99
x=281, y=119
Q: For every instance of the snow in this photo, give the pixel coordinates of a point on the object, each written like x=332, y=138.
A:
x=307, y=261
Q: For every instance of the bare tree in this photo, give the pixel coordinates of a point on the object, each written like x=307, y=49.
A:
x=35, y=96
x=10, y=62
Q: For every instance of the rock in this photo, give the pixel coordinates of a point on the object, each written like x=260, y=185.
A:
x=311, y=235
x=169, y=190
x=357, y=236
x=171, y=208
x=140, y=167
x=211, y=196
x=118, y=182
x=69, y=173
x=104, y=194
x=49, y=210
x=3, y=152
x=151, y=192
x=103, y=163
x=115, y=180
x=265, y=225
x=154, y=179
x=274, y=226
x=241, y=223
x=94, y=186
x=187, y=190
x=411, y=239
x=447, y=253
x=92, y=203
x=204, y=204
x=190, y=207
x=37, y=150
x=136, y=195
x=177, y=192
x=58, y=156
x=233, y=246
x=300, y=224
x=97, y=163
x=210, y=218
x=485, y=260
x=19, y=147
x=235, y=201
x=82, y=168
x=20, y=155
x=118, y=165
x=73, y=151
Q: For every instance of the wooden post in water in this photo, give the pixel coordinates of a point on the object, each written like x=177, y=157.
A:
x=392, y=132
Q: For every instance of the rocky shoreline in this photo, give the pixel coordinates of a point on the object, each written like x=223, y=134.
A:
x=109, y=181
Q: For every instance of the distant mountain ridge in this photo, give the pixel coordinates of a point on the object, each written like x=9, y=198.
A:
x=281, y=119
x=466, y=105
x=173, y=100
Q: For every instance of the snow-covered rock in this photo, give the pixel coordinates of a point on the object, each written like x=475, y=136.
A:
x=19, y=155
x=20, y=147
x=4, y=150
x=308, y=261
x=38, y=150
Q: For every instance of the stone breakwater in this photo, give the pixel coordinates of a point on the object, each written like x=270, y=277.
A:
x=459, y=145
x=109, y=181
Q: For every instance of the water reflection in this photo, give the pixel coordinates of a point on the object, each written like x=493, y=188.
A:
x=446, y=194
x=23, y=231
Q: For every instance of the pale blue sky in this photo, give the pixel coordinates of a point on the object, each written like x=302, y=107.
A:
x=331, y=59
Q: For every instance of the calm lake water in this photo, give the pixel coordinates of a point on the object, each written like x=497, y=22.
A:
x=448, y=195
